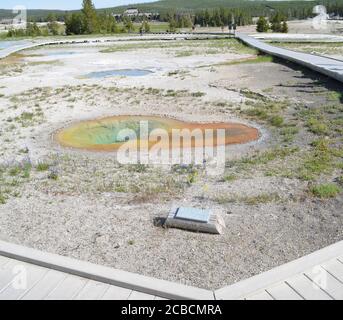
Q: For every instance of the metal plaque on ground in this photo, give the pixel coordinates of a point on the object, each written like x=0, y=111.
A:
x=193, y=219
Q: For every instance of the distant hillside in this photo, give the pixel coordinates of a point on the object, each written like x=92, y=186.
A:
x=197, y=5
x=295, y=8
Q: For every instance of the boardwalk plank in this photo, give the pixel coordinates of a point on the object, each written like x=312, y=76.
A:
x=92, y=291
x=263, y=295
x=160, y=298
x=335, y=268
x=282, y=291
x=326, y=281
x=3, y=261
x=7, y=273
x=135, y=295
x=322, y=281
x=32, y=274
x=44, y=286
x=67, y=289
x=307, y=289
x=116, y=293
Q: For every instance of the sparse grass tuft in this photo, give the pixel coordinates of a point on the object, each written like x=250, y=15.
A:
x=317, y=127
x=334, y=96
x=249, y=200
x=3, y=198
x=325, y=191
x=14, y=171
x=53, y=175
x=185, y=53
x=42, y=166
x=276, y=121
x=270, y=155
x=321, y=160
x=198, y=94
x=229, y=178
x=258, y=59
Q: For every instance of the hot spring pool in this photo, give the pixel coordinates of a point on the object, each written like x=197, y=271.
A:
x=119, y=72
x=109, y=134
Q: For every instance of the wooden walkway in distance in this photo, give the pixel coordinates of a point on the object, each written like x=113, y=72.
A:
x=31, y=44
x=330, y=67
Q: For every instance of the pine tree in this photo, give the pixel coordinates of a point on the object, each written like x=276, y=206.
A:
x=172, y=25
x=207, y=18
x=108, y=23
x=90, y=18
x=54, y=28
x=262, y=25
x=51, y=17
x=284, y=27
x=276, y=23
x=33, y=30
x=74, y=24
x=146, y=26
x=128, y=25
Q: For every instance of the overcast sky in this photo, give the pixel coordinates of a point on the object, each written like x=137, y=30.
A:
x=64, y=4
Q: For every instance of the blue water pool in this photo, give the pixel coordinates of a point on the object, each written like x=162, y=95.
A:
x=119, y=72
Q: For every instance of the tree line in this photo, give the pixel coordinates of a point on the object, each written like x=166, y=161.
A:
x=87, y=21
x=240, y=8
x=273, y=15
x=207, y=18
x=277, y=23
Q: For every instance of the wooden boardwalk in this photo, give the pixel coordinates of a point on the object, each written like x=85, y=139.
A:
x=31, y=44
x=51, y=276
x=323, y=282
x=317, y=276
x=27, y=274
x=327, y=66
x=39, y=283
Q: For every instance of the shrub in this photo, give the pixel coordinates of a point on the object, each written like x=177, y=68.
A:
x=262, y=25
